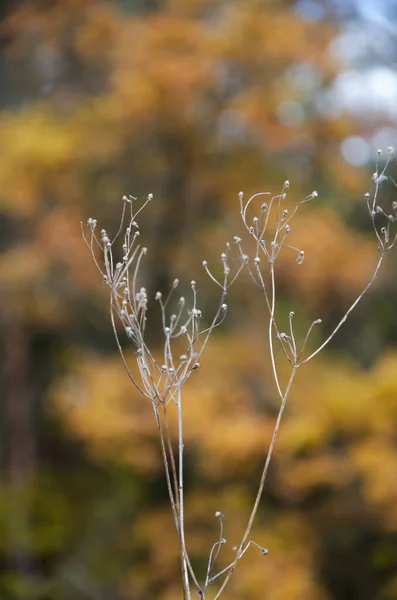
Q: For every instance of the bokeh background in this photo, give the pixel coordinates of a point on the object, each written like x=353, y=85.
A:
x=193, y=101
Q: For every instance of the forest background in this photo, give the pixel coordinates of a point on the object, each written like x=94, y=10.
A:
x=193, y=102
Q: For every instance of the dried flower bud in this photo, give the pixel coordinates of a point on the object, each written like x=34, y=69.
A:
x=219, y=515
x=158, y=296
x=291, y=314
x=237, y=239
x=175, y=283
x=390, y=149
x=150, y=197
x=204, y=263
x=257, y=260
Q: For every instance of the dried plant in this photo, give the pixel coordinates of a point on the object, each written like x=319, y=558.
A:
x=270, y=230
x=161, y=380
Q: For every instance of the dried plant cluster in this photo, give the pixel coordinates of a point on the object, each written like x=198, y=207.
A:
x=161, y=380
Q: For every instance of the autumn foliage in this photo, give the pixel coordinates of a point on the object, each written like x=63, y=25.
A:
x=182, y=100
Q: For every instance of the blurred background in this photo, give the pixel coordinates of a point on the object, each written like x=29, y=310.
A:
x=193, y=101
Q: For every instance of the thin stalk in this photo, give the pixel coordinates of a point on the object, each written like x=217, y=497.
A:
x=185, y=576
x=175, y=511
x=271, y=325
x=329, y=338
x=261, y=485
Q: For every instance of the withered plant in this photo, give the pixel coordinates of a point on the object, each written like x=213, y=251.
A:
x=267, y=221
x=159, y=378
